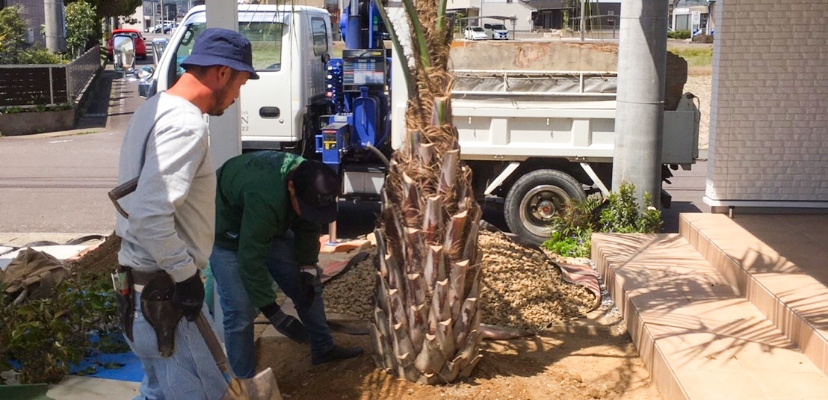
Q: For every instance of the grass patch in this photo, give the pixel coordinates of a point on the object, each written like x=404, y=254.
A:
x=701, y=56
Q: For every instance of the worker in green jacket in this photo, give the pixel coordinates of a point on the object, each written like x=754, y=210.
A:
x=270, y=207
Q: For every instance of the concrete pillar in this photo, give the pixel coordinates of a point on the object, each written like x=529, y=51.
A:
x=53, y=13
x=225, y=131
x=642, y=62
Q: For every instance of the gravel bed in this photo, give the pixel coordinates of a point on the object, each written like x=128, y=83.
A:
x=521, y=288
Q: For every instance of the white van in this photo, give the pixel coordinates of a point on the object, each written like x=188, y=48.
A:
x=474, y=33
x=496, y=31
x=291, y=45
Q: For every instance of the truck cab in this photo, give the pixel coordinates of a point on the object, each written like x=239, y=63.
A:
x=291, y=45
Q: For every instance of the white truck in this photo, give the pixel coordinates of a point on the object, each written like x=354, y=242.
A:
x=534, y=139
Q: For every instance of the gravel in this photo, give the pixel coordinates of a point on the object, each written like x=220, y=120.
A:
x=521, y=288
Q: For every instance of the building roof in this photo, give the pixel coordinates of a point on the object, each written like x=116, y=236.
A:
x=547, y=4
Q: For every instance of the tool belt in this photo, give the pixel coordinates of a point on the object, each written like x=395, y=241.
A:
x=157, y=290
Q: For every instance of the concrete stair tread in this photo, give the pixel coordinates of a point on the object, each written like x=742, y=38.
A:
x=787, y=293
x=700, y=338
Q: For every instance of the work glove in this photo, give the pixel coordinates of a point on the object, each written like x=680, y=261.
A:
x=285, y=324
x=189, y=296
x=307, y=282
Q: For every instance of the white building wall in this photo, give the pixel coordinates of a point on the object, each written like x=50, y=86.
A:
x=462, y=4
x=769, y=120
x=501, y=8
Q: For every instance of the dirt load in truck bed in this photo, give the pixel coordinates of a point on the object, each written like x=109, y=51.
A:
x=559, y=56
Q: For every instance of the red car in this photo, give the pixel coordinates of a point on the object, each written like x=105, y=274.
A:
x=137, y=38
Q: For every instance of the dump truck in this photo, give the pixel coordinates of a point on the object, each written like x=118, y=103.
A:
x=536, y=120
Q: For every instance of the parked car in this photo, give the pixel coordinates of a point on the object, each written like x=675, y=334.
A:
x=496, y=31
x=166, y=27
x=474, y=33
x=137, y=38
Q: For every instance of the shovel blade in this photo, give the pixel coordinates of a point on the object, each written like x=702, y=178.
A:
x=260, y=387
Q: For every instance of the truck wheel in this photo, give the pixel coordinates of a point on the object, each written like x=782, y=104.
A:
x=535, y=198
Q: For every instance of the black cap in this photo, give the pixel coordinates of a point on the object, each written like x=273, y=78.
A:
x=218, y=46
x=317, y=187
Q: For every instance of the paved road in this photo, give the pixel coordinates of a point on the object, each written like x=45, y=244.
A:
x=56, y=184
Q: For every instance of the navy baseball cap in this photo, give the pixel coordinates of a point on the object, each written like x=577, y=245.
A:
x=317, y=186
x=218, y=46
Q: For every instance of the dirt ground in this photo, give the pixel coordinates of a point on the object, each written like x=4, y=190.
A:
x=575, y=363
x=591, y=357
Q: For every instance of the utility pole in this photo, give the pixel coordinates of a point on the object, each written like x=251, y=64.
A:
x=582, y=24
x=639, y=117
x=225, y=131
x=55, y=40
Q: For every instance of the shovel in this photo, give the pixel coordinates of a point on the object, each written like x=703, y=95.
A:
x=260, y=387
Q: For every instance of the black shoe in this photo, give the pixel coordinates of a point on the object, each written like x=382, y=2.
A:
x=337, y=353
x=293, y=329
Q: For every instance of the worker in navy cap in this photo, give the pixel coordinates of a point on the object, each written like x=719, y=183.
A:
x=167, y=228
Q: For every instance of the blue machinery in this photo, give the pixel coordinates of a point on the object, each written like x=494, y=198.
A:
x=356, y=86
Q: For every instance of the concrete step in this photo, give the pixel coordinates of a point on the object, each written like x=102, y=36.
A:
x=783, y=291
x=699, y=337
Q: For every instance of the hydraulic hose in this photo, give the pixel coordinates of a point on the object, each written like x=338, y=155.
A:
x=379, y=154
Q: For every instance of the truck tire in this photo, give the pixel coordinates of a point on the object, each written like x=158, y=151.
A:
x=535, y=198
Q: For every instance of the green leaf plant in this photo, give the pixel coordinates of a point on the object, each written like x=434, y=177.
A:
x=42, y=339
x=618, y=213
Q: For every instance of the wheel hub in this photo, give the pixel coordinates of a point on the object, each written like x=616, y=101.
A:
x=545, y=209
x=539, y=206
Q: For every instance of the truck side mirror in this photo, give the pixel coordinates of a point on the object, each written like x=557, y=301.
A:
x=158, y=47
x=123, y=51
x=147, y=86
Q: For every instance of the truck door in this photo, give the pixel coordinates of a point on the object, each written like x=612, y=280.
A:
x=269, y=110
x=267, y=113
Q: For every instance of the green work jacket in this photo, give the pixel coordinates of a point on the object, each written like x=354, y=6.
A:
x=252, y=207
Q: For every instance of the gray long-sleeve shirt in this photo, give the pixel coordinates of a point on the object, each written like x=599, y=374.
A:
x=172, y=212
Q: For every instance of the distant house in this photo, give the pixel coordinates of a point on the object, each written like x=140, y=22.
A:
x=692, y=15
x=560, y=14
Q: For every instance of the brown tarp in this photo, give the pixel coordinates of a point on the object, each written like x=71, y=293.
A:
x=32, y=275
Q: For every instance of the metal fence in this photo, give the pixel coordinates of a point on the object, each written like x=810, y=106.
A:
x=47, y=84
x=81, y=71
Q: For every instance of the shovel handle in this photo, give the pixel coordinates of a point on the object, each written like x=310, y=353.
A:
x=121, y=191
x=213, y=344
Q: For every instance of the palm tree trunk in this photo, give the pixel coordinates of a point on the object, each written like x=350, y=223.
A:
x=426, y=319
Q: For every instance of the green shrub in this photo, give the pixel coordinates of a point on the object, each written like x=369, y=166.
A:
x=678, y=34
x=618, y=213
x=37, y=108
x=12, y=34
x=38, y=55
x=572, y=229
x=81, y=24
x=623, y=215
x=47, y=336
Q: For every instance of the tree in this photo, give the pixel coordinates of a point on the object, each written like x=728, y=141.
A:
x=426, y=319
x=81, y=25
x=12, y=34
x=111, y=8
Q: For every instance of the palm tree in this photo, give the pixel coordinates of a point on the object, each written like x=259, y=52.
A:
x=426, y=319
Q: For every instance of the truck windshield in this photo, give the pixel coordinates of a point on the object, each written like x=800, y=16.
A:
x=264, y=30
